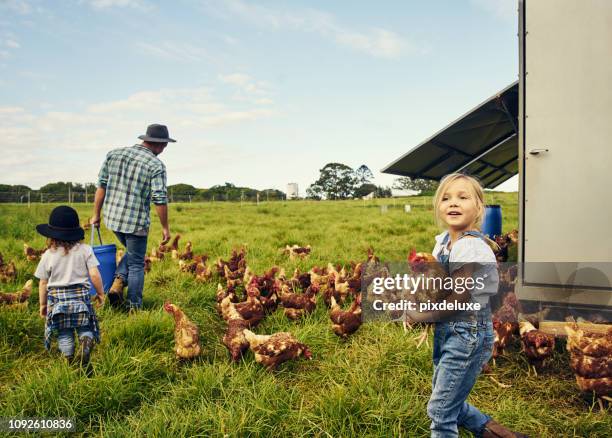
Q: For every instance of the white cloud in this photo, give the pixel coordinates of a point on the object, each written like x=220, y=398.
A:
x=34, y=139
x=245, y=83
x=174, y=51
x=376, y=42
x=21, y=7
x=103, y=4
x=8, y=110
x=12, y=44
x=237, y=116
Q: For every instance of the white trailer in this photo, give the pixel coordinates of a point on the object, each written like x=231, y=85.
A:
x=565, y=151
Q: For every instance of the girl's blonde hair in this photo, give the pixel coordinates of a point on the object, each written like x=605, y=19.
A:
x=476, y=192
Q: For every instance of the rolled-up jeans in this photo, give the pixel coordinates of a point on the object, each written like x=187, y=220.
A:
x=461, y=348
x=131, y=266
x=65, y=339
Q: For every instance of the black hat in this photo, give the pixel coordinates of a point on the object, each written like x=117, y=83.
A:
x=63, y=225
x=157, y=134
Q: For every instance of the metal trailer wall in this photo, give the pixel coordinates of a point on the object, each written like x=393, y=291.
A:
x=565, y=150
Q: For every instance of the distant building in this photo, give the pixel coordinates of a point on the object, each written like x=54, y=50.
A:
x=401, y=193
x=292, y=191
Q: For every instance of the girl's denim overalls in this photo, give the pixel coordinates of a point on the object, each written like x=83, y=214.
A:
x=462, y=345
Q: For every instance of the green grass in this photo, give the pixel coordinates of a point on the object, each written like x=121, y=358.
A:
x=374, y=384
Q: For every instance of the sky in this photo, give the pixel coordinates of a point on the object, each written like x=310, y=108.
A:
x=256, y=93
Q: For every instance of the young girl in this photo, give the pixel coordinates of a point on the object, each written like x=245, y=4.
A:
x=463, y=340
x=64, y=286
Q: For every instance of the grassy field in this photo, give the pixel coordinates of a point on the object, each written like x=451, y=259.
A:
x=375, y=384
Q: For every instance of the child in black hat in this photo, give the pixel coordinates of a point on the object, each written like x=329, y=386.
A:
x=64, y=285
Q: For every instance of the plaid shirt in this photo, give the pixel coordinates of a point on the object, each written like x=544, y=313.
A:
x=133, y=178
x=69, y=307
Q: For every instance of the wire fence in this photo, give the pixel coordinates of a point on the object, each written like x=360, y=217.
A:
x=71, y=197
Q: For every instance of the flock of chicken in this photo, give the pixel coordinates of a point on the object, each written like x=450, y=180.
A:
x=244, y=299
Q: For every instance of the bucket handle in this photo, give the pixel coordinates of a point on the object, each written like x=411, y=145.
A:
x=92, y=235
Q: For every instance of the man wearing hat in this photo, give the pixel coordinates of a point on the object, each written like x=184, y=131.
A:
x=129, y=180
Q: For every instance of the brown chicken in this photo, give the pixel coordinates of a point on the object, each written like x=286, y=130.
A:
x=345, y=322
x=296, y=251
x=505, y=325
x=187, y=255
x=32, y=254
x=591, y=361
x=503, y=336
x=236, y=265
x=537, y=345
x=201, y=270
x=251, y=310
x=8, y=272
x=186, y=334
x=267, y=287
x=156, y=255
x=234, y=338
x=272, y=350
x=169, y=248
x=337, y=286
x=118, y=256
x=297, y=305
x=432, y=289
x=17, y=297
x=224, y=292
x=354, y=281
x=147, y=264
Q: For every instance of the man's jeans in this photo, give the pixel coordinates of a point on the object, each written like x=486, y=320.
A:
x=461, y=348
x=131, y=266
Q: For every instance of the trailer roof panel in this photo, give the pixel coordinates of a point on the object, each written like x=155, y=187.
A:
x=482, y=143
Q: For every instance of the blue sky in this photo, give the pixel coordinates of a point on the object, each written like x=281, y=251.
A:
x=256, y=93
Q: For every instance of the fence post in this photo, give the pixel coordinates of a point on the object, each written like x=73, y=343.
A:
x=28, y=199
x=69, y=196
x=41, y=201
x=85, y=194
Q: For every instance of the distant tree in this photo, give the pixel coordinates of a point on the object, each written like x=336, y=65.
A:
x=314, y=192
x=425, y=186
x=365, y=189
x=336, y=181
x=364, y=174
x=183, y=189
x=383, y=192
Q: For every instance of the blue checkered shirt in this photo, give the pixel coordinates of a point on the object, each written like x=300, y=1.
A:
x=133, y=178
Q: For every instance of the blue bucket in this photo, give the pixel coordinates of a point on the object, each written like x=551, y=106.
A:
x=492, y=223
x=106, y=257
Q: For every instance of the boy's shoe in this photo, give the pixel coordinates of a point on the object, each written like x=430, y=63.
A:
x=115, y=293
x=85, y=347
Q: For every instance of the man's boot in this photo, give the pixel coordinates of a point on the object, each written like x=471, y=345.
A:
x=115, y=293
x=495, y=430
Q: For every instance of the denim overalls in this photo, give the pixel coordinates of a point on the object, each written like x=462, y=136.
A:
x=462, y=345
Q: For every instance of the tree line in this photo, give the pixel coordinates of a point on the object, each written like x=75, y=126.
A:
x=339, y=181
x=76, y=192
x=336, y=181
